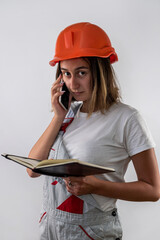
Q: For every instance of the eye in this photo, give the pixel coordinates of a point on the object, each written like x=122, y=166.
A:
x=81, y=73
x=66, y=74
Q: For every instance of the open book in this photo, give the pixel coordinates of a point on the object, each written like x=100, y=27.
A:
x=59, y=167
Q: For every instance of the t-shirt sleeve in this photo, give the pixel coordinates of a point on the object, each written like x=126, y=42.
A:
x=137, y=136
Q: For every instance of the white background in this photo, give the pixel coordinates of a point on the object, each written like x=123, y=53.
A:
x=28, y=31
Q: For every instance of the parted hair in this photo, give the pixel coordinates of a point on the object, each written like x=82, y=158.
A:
x=105, y=90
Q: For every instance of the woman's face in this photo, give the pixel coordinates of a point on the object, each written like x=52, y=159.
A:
x=77, y=76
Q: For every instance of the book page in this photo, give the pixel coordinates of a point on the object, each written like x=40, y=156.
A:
x=52, y=162
x=28, y=162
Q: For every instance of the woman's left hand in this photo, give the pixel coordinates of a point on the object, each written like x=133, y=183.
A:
x=81, y=185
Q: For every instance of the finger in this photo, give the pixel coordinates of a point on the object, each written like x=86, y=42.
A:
x=58, y=80
x=69, y=183
x=70, y=190
x=72, y=184
x=70, y=187
x=56, y=87
x=55, y=98
x=66, y=180
x=76, y=179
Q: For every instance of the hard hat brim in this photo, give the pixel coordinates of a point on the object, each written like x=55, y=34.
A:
x=112, y=55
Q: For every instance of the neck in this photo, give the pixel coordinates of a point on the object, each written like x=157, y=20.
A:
x=84, y=107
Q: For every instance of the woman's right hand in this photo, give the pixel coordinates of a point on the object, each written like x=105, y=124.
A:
x=56, y=92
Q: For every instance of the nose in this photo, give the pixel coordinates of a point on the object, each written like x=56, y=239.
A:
x=74, y=84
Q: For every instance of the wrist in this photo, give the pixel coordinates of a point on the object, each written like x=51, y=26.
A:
x=58, y=119
x=98, y=185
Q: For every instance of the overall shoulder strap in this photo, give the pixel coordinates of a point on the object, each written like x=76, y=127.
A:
x=75, y=106
x=58, y=150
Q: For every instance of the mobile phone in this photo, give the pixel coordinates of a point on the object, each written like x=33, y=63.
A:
x=64, y=99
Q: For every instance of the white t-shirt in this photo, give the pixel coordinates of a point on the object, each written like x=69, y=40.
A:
x=109, y=140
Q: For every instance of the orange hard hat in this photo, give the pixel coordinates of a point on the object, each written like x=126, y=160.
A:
x=83, y=40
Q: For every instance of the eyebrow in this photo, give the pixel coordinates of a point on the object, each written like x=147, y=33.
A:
x=82, y=67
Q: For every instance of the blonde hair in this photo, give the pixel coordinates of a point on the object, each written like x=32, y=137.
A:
x=105, y=90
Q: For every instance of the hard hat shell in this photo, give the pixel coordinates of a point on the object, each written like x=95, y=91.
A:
x=83, y=40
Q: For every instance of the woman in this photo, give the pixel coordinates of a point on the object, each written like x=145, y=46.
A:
x=99, y=129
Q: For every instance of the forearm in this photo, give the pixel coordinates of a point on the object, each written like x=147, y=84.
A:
x=146, y=188
x=42, y=147
x=131, y=191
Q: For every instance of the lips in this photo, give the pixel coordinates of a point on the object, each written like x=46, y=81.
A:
x=77, y=93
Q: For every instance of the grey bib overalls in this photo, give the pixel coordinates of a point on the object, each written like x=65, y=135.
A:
x=68, y=217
